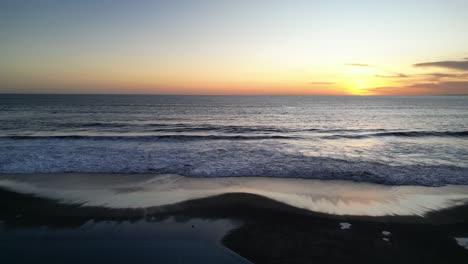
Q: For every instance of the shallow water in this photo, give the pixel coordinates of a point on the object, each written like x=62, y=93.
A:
x=168, y=241
x=332, y=197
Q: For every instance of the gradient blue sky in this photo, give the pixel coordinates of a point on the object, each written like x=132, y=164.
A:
x=234, y=47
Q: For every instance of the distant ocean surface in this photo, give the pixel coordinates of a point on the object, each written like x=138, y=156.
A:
x=386, y=140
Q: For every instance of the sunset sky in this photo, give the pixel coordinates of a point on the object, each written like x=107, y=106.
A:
x=235, y=47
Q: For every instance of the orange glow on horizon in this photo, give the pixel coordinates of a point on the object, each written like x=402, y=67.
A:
x=356, y=80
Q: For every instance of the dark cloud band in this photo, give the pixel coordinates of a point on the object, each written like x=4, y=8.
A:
x=457, y=65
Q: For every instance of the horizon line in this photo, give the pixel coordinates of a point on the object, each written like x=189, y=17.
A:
x=305, y=95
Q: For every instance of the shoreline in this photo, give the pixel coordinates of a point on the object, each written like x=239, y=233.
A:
x=331, y=197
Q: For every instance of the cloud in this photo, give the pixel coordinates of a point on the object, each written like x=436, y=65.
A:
x=433, y=76
x=447, y=75
x=441, y=75
x=443, y=85
x=425, y=88
x=456, y=65
x=358, y=64
x=394, y=75
x=321, y=83
x=386, y=73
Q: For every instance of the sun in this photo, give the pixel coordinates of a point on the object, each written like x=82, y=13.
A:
x=360, y=87
x=362, y=84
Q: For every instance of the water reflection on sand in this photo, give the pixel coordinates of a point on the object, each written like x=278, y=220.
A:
x=334, y=197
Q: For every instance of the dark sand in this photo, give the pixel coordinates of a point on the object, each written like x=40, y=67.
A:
x=267, y=232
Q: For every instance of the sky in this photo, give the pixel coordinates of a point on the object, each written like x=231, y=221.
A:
x=398, y=47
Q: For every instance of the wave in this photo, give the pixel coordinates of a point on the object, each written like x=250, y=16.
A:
x=237, y=135
x=213, y=131
x=411, y=134
x=187, y=127
x=213, y=159
x=151, y=138
x=177, y=127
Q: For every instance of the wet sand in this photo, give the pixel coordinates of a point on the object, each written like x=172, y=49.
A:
x=147, y=190
x=256, y=227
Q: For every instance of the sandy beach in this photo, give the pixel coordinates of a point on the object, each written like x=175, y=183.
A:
x=239, y=226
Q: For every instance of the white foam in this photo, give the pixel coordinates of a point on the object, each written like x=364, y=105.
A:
x=218, y=158
x=344, y=226
x=462, y=242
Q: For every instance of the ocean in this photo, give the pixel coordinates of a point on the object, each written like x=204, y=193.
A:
x=385, y=140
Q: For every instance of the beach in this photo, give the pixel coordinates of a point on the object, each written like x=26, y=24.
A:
x=228, y=226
